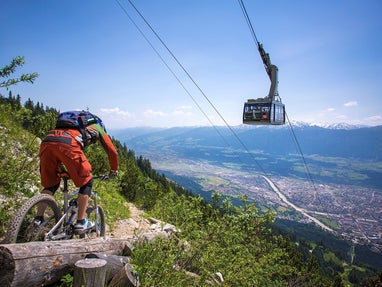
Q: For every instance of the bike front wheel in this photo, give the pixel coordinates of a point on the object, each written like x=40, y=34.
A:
x=97, y=215
x=22, y=227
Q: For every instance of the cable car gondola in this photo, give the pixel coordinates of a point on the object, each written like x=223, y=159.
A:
x=264, y=112
x=269, y=110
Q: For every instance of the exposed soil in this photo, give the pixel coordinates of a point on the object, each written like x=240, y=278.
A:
x=133, y=226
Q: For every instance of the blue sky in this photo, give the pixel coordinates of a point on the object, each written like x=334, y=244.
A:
x=90, y=55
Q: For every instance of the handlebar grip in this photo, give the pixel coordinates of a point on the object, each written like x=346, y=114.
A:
x=102, y=177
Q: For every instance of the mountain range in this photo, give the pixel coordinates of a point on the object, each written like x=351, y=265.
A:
x=339, y=154
x=334, y=140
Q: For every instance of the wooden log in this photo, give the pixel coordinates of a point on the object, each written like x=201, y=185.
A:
x=44, y=263
x=126, y=277
x=114, y=263
x=128, y=248
x=90, y=272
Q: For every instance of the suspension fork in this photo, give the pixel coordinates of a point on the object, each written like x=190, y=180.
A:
x=95, y=206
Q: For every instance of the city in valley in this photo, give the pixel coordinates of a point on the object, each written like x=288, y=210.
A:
x=353, y=212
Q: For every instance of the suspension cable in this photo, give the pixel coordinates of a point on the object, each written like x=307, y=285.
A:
x=201, y=91
x=167, y=66
x=248, y=20
x=191, y=78
x=301, y=153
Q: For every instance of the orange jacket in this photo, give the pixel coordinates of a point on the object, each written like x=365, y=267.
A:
x=93, y=133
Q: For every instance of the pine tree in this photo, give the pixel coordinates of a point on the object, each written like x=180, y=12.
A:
x=7, y=71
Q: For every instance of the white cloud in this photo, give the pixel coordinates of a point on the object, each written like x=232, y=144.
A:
x=117, y=112
x=184, y=108
x=179, y=111
x=322, y=113
x=115, y=117
x=180, y=116
x=182, y=111
x=341, y=117
x=351, y=104
x=373, y=120
x=150, y=113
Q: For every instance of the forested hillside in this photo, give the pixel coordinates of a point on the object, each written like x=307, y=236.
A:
x=236, y=241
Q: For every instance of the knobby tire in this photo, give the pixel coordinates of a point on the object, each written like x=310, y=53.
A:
x=22, y=222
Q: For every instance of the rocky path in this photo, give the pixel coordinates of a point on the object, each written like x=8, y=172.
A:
x=138, y=226
x=132, y=226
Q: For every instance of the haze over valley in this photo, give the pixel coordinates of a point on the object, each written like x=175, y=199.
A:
x=336, y=181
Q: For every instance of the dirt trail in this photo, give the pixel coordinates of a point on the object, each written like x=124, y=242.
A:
x=138, y=227
x=133, y=226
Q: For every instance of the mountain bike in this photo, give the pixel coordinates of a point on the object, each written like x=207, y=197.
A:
x=59, y=222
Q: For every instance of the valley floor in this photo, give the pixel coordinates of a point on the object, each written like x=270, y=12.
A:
x=351, y=211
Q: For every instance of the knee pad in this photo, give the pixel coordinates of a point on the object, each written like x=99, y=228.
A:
x=53, y=188
x=87, y=188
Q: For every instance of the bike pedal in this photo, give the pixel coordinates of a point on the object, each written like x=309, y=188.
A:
x=80, y=232
x=58, y=236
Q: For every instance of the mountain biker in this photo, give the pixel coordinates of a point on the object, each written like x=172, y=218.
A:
x=65, y=145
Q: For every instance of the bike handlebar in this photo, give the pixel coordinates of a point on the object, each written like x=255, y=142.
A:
x=65, y=175
x=102, y=177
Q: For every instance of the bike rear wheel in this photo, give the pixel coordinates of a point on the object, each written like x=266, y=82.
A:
x=23, y=229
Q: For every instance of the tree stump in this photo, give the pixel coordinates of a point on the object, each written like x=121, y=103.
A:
x=90, y=272
x=126, y=277
x=114, y=263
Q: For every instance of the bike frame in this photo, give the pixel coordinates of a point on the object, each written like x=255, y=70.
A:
x=71, y=209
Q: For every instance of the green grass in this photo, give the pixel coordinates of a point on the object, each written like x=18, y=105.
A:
x=112, y=202
x=328, y=222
